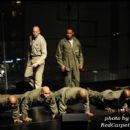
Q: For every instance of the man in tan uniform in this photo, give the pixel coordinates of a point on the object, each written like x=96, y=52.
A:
x=41, y=96
x=37, y=53
x=68, y=96
x=70, y=58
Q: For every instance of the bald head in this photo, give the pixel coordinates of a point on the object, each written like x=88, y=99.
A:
x=36, y=31
x=46, y=91
x=82, y=95
x=83, y=92
x=127, y=93
x=12, y=100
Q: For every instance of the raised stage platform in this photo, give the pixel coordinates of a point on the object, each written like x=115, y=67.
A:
x=42, y=119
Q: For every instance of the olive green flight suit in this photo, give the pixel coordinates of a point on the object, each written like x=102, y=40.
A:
x=116, y=97
x=37, y=53
x=71, y=58
x=68, y=95
x=36, y=98
x=108, y=98
x=4, y=106
x=95, y=96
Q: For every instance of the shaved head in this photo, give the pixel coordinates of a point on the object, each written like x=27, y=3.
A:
x=12, y=100
x=45, y=91
x=83, y=92
x=82, y=95
x=127, y=93
x=36, y=31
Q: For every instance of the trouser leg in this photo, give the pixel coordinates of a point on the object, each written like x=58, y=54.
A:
x=38, y=76
x=75, y=77
x=28, y=75
x=68, y=79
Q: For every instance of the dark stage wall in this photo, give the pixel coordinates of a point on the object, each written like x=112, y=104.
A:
x=102, y=28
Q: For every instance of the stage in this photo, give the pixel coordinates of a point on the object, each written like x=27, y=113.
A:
x=42, y=121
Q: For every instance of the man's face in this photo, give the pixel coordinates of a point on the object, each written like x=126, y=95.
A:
x=36, y=31
x=69, y=34
x=46, y=94
x=12, y=104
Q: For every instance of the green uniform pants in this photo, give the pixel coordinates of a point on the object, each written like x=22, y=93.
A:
x=72, y=78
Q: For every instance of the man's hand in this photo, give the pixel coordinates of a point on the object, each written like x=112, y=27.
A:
x=62, y=68
x=27, y=119
x=80, y=66
x=123, y=110
x=34, y=65
x=57, y=116
x=108, y=109
x=89, y=114
x=18, y=121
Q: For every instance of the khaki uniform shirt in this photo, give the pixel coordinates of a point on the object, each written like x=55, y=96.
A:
x=38, y=50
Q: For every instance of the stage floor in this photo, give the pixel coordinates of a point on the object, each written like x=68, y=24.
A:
x=42, y=121
x=101, y=120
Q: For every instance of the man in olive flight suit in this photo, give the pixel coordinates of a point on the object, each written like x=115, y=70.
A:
x=116, y=99
x=42, y=96
x=68, y=96
x=37, y=53
x=70, y=58
x=110, y=100
x=11, y=102
x=95, y=97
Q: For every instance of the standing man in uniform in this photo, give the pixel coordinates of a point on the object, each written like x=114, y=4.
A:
x=70, y=58
x=37, y=53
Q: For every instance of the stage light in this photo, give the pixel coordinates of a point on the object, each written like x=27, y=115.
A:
x=18, y=2
x=95, y=71
x=2, y=72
